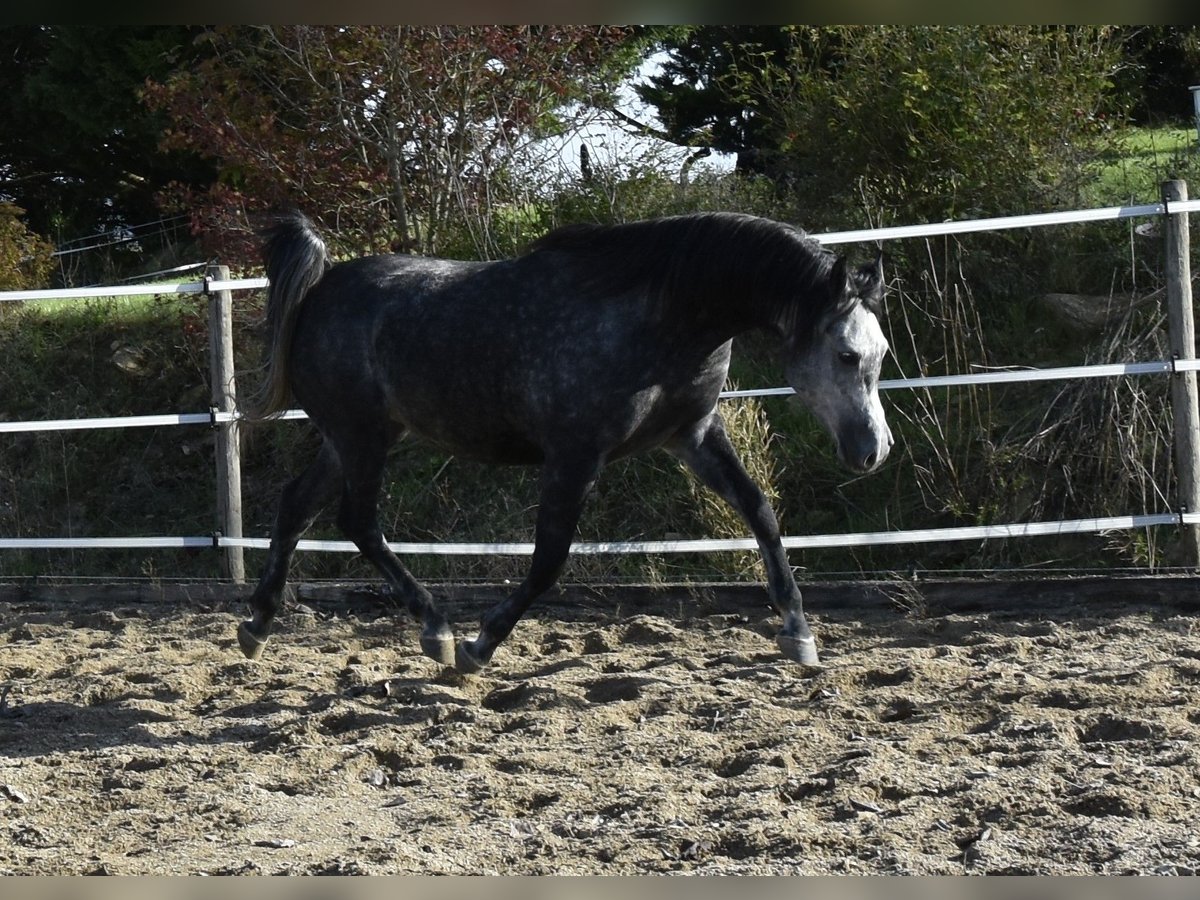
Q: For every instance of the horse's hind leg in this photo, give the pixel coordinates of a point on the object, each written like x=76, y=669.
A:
x=299, y=504
x=564, y=488
x=358, y=517
x=707, y=451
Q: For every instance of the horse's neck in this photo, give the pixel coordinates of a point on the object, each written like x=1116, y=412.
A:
x=723, y=316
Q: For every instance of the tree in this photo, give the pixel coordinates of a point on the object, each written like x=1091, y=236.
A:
x=79, y=150
x=934, y=121
x=1162, y=61
x=698, y=103
x=391, y=133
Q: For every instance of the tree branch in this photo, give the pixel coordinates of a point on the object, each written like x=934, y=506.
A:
x=643, y=128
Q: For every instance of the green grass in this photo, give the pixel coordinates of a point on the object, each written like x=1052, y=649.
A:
x=1147, y=157
x=132, y=307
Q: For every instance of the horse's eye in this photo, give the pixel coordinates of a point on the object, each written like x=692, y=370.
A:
x=849, y=358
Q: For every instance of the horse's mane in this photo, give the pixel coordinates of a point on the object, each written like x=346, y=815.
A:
x=704, y=262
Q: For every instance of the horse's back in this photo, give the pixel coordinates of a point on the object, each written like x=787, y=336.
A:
x=490, y=360
x=428, y=345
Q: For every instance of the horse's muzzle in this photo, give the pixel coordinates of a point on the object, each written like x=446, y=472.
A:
x=865, y=452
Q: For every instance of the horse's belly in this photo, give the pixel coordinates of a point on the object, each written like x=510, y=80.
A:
x=496, y=451
x=489, y=442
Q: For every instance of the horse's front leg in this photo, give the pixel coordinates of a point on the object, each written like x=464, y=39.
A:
x=565, y=485
x=707, y=451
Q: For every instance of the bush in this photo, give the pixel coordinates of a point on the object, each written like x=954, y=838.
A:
x=26, y=259
x=936, y=123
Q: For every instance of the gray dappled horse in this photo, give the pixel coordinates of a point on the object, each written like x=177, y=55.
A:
x=600, y=342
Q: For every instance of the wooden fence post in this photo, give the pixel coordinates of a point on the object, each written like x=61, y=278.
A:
x=224, y=399
x=1184, y=401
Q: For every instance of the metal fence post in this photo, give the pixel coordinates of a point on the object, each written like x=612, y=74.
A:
x=1195, y=89
x=1184, y=402
x=224, y=399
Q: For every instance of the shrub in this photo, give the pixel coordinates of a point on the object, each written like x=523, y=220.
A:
x=25, y=258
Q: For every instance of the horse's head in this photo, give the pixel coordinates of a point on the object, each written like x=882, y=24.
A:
x=835, y=368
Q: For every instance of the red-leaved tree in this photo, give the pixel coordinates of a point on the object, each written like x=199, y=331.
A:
x=395, y=136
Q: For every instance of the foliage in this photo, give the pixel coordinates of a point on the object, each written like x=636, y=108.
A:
x=694, y=97
x=392, y=133
x=964, y=456
x=645, y=190
x=25, y=259
x=923, y=122
x=1161, y=62
x=79, y=149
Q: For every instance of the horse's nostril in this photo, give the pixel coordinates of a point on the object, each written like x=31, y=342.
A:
x=869, y=462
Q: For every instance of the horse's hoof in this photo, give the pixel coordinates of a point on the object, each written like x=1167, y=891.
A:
x=439, y=646
x=798, y=650
x=465, y=659
x=251, y=644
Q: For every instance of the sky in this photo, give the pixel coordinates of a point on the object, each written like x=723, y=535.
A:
x=611, y=144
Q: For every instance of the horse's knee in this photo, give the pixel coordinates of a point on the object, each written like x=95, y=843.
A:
x=366, y=536
x=351, y=523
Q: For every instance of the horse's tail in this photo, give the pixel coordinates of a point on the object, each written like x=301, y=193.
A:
x=295, y=258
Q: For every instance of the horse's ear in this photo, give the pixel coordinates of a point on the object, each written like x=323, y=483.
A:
x=839, y=280
x=869, y=280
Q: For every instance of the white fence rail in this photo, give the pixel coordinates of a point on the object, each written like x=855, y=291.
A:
x=1007, y=376
x=1183, y=365
x=703, y=545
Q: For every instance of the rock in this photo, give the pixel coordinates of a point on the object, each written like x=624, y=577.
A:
x=1084, y=312
x=129, y=360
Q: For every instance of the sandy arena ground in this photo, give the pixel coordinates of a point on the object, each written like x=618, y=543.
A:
x=616, y=733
